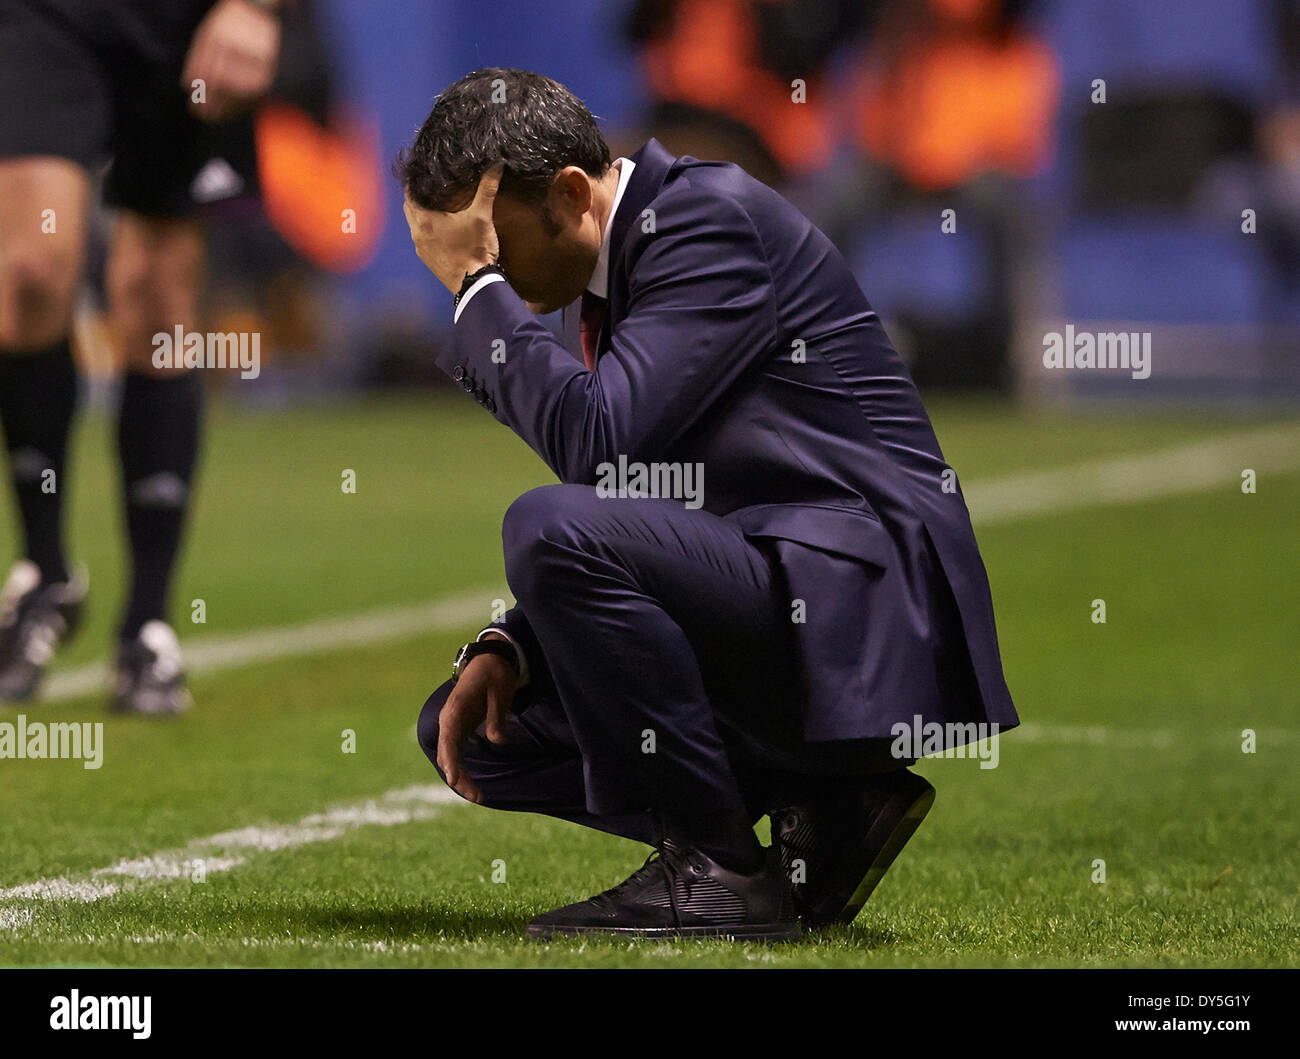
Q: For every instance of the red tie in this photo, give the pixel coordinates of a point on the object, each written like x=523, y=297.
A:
x=590, y=322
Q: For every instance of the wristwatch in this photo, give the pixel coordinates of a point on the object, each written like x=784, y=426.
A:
x=500, y=648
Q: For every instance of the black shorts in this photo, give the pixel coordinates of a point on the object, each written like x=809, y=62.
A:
x=98, y=81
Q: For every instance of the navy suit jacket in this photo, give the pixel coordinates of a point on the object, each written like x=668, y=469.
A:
x=738, y=338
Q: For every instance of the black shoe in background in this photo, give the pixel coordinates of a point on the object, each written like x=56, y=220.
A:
x=150, y=678
x=35, y=617
x=835, y=850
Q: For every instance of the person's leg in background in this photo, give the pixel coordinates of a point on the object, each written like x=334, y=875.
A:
x=154, y=271
x=170, y=169
x=43, y=218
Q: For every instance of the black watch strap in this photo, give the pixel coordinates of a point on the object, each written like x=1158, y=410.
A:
x=501, y=648
x=473, y=277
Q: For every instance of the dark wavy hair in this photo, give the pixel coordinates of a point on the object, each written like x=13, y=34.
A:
x=533, y=124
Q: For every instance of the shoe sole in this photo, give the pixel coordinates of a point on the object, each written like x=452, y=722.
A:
x=747, y=932
x=122, y=708
x=20, y=695
x=914, y=804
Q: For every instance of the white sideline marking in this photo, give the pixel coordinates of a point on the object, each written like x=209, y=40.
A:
x=210, y=940
x=1215, y=463
x=208, y=654
x=229, y=849
x=14, y=918
x=1096, y=734
x=1137, y=738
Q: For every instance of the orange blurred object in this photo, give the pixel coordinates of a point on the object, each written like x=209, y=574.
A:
x=960, y=102
x=321, y=186
x=710, y=60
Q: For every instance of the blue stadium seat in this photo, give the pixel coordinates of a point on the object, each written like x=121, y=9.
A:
x=1230, y=47
x=1150, y=46
x=907, y=265
x=577, y=42
x=1162, y=270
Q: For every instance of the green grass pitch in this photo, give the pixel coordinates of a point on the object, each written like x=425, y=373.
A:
x=1131, y=752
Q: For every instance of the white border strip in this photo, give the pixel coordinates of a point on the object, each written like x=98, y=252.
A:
x=229, y=849
x=1199, y=467
x=208, y=654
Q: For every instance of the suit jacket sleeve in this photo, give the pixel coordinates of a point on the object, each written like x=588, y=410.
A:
x=700, y=311
x=516, y=626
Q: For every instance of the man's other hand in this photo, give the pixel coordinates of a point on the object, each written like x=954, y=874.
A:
x=234, y=53
x=454, y=244
x=485, y=690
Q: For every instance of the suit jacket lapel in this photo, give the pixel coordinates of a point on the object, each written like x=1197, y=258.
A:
x=653, y=163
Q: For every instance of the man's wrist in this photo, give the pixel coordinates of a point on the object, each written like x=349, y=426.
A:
x=472, y=284
x=268, y=7
x=473, y=275
x=485, y=646
x=495, y=632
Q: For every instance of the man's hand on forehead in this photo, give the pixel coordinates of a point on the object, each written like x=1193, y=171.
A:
x=452, y=244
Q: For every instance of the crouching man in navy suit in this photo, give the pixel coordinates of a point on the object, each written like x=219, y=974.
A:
x=673, y=671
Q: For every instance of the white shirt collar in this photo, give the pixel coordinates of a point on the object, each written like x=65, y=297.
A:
x=599, y=284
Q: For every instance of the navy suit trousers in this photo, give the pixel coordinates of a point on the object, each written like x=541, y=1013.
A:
x=668, y=686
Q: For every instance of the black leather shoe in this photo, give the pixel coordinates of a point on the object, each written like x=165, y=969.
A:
x=681, y=892
x=834, y=854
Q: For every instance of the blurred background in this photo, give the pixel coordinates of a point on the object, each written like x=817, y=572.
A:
x=1111, y=164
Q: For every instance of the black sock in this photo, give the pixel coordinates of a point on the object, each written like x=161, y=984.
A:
x=38, y=393
x=726, y=838
x=158, y=438
x=743, y=855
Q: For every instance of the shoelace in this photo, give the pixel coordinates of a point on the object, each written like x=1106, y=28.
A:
x=665, y=859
